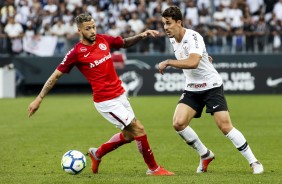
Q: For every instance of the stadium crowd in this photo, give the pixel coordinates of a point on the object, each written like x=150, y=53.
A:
x=228, y=26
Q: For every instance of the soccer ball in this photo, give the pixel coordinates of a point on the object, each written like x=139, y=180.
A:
x=73, y=162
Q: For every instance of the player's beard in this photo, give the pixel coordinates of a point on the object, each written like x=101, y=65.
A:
x=89, y=39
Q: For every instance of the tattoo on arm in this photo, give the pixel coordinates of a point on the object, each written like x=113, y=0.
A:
x=48, y=86
x=128, y=42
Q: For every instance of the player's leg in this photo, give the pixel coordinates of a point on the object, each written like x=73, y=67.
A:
x=217, y=105
x=182, y=117
x=115, y=112
x=137, y=131
x=119, y=112
x=223, y=121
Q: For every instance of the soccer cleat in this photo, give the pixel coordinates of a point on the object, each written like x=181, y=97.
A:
x=204, y=162
x=95, y=160
x=160, y=171
x=257, y=167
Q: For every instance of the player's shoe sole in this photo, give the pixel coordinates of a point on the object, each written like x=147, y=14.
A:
x=204, y=162
x=160, y=171
x=95, y=161
x=257, y=167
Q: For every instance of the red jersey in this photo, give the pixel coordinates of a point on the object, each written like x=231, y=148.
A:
x=96, y=64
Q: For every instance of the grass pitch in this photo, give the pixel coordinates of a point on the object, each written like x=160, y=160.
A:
x=31, y=149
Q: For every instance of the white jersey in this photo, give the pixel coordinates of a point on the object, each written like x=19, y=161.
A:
x=205, y=75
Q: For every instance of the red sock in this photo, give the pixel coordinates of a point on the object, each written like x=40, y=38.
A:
x=116, y=141
x=144, y=148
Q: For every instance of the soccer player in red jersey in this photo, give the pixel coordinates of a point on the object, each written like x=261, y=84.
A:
x=93, y=59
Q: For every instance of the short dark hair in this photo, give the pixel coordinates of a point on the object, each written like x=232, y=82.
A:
x=174, y=12
x=84, y=17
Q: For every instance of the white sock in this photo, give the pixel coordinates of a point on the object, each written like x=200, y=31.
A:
x=241, y=144
x=192, y=139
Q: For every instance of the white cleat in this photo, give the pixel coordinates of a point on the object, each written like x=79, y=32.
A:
x=257, y=167
x=204, y=162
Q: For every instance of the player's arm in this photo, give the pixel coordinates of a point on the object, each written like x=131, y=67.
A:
x=130, y=41
x=191, y=62
x=33, y=106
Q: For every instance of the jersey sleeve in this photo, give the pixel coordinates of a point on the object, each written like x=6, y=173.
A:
x=197, y=44
x=114, y=42
x=68, y=62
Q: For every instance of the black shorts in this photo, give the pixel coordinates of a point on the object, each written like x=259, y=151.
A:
x=213, y=99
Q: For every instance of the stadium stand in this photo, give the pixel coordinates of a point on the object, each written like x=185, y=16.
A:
x=238, y=26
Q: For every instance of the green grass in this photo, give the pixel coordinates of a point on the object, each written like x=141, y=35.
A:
x=31, y=149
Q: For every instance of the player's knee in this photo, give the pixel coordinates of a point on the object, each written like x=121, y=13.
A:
x=137, y=128
x=179, y=124
x=127, y=136
x=225, y=126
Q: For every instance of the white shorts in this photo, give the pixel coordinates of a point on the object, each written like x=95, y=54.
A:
x=118, y=111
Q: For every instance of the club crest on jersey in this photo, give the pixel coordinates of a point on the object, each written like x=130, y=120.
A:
x=83, y=49
x=186, y=50
x=102, y=46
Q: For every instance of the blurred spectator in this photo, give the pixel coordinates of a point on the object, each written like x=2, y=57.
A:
x=142, y=12
x=59, y=30
x=277, y=10
x=3, y=41
x=14, y=32
x=47, y=18
x=128, y=33
x=46, y=30
x=159, y=42
x=219, y=40
x=191, y=13
x=115, y=7
x=129, y=5
x=71, y=34
x=23, y=13
x=157, y=13
x=136, y=24
x=30, y=30
x=238, y=41
x=219, y=17
x=235, y=17
x=220, y=21
x=256, y=8
x=67, y=17
x=269, y=4
x=204, y=11
x=224, y=3
x=113, y=31
x=8, y=10
x=249, y=28
x=275, y=34
x=121, y=23
x=260, y=35
x=36, y=6
x=51, y=7
x=72, y=4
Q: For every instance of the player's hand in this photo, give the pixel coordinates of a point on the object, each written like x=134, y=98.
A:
x=162, y=66
x=147, y=33
x=33, y=107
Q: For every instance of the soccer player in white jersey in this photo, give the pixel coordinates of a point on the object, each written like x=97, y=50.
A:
x=203, y=88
